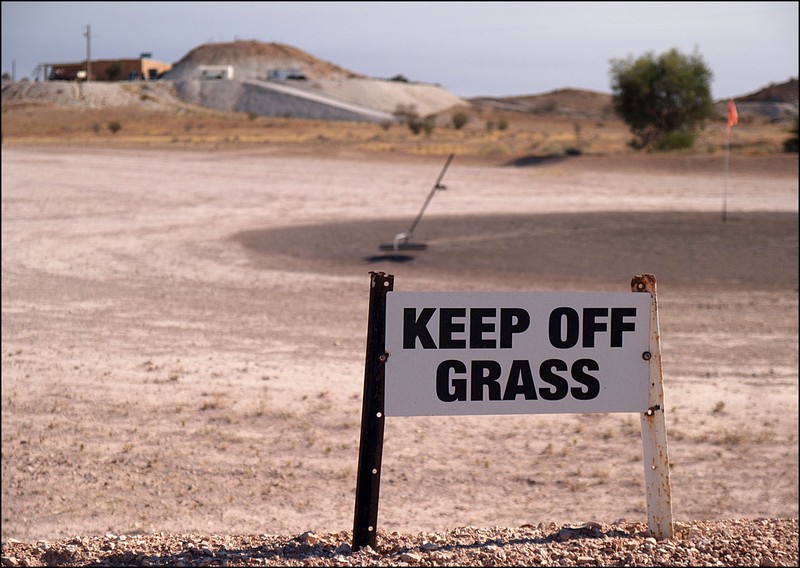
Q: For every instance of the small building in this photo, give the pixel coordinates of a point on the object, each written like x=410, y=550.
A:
x=288, y=74
x=212, y=72
x=107, y=70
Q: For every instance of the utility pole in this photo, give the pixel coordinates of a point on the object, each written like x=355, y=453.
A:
x=88, y=35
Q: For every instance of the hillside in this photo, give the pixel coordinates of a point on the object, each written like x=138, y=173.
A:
x=274, y=79
x=774, y=93
x=776, y=102
x=255, y=60
x=562, y=102
x=274, y=83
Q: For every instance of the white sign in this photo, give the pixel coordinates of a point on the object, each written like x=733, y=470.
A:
x=470, y=353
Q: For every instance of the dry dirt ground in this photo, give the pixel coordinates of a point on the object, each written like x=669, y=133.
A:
x=183, y=338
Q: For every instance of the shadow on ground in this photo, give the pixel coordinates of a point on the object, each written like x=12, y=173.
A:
x=752, y=249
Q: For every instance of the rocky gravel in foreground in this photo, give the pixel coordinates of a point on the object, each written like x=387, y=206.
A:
x=760, y=542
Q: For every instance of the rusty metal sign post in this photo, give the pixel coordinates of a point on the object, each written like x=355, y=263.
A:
x=654, y=429
x=653, y=422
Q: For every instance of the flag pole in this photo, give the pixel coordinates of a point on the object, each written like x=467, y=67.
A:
x=733, y=120
x=725, y=192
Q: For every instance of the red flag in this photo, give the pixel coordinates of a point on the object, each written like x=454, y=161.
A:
x=733, y=116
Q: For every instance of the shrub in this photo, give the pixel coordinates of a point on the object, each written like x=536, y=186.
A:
x=406, y=113
x=657, y=96
x=503, y=124
x=409, y=115
x=676, y=140
x=417, y=125
x=115, y=126
x=428, y=125
x=460, y=119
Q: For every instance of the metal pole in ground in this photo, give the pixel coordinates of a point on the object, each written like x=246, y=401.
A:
x=653, y=422
x=436, y=185
x=370, y=451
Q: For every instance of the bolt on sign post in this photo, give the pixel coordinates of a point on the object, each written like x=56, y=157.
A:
x=494, y=353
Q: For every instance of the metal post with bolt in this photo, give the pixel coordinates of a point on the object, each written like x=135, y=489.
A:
x=654, y=429
x=370, y=451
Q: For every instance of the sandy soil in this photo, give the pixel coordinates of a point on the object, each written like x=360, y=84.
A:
x=183, y=339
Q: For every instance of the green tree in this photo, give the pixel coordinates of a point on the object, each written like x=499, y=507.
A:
x=460, y=119
x=415, y=123
x=660, y=96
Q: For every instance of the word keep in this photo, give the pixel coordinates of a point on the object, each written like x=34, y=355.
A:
x=485, y=328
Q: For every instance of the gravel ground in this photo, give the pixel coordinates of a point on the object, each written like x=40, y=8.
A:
x=761, y=542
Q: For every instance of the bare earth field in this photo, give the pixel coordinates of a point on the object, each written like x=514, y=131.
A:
x=183, y=336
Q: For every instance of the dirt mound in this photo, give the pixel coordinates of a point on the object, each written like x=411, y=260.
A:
x=776, y=102
x=295, y=74
x=94, y=95
x=565, y=102
x=256, y=60
x=390, y=96
x=774, y=93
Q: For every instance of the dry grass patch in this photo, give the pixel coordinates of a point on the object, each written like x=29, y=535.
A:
x=487, y=134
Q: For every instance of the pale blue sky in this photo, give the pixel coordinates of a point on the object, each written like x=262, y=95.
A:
x=470, y=48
